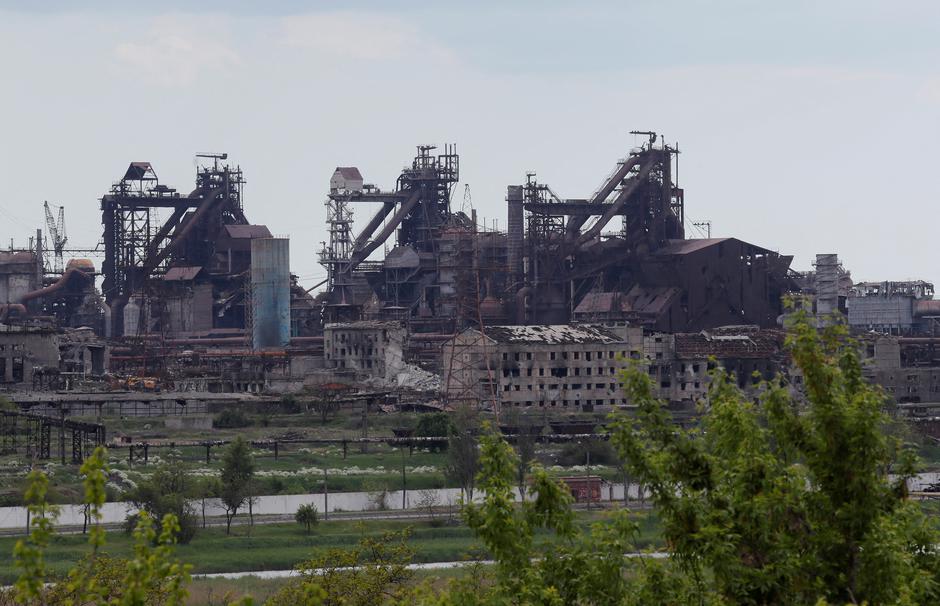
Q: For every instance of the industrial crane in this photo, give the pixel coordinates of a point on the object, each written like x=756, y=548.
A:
x=56, y=230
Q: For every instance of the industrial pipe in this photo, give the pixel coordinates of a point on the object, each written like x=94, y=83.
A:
x=57, y=286
x=522, y=307
x=622, y=198
x=373, y=225
x=576, y=222
x=178, y=238
x=362, y=254
x=299, y=340
x=208, y=341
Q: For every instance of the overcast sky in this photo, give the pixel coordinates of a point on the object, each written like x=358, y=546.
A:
x=804, y=127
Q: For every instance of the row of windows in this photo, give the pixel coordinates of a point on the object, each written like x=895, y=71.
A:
x=559, y=372
x=566, y=386
x=576, y=355
x=368, y=338
x=342, y=363
x=597, y=402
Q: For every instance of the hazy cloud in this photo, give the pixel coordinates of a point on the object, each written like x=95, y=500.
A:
x=174, y=52
x=361, y=36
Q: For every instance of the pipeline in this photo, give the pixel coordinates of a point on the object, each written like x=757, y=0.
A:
x=57, y=286
x=522, y=306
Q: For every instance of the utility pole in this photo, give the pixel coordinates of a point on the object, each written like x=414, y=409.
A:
x=326, y=495
x=404, y=488
x=707, y=225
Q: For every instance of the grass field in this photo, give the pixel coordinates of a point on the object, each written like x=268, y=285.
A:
x=298, y=469
x=220, y=592
x=282, y=546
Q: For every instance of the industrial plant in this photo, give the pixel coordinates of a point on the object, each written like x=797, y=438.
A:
x=186, y=305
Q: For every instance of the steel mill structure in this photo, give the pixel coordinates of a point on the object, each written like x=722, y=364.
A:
x=423, y=306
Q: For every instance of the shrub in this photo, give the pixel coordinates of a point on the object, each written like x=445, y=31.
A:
x=307, y=516
x=290, y=405
x=602, y=453
x=231, y=418
x=432, y=426
x=168, y=490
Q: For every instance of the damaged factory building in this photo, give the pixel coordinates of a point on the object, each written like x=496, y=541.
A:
x=422, y=301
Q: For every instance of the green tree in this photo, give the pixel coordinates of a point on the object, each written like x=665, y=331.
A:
x=524, y=445
x=435, y=425
x=151, y=577
x=463, y=452
x=238, y=468
x=307, y=516
x=786, y=499
x=168, y=490
x=574, y=567
x=783, y=498
x=374, y=572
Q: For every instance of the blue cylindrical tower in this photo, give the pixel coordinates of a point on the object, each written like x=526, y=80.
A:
x=270, y=292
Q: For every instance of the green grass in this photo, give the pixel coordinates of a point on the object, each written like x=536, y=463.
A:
x=295, y=463
x=282, y=546
x=215, y=592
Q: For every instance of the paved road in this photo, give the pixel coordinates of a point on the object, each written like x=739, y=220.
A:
x=281, y=574
x=242, y=519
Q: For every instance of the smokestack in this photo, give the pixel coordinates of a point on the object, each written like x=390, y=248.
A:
x=515, y=233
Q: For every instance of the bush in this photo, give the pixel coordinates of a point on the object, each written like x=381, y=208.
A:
x=307, y=516
x=432, y=426
x=168, y=490
x=602, y=453
x=289, y=404
x=231, y=418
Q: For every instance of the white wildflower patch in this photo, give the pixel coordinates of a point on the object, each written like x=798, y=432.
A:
x=342, y=471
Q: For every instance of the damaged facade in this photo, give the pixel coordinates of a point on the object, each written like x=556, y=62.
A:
x=196, y=297
x=577, y=366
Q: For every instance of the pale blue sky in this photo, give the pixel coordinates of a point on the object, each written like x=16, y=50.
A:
x=805, y=126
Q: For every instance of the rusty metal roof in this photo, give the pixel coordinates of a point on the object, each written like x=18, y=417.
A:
x=247, y=231
x=137, y=171
x=684, y=247
x=599, y=302
x=349, y=172
x=181, y=274
x=729, y=343
x=653, y=300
